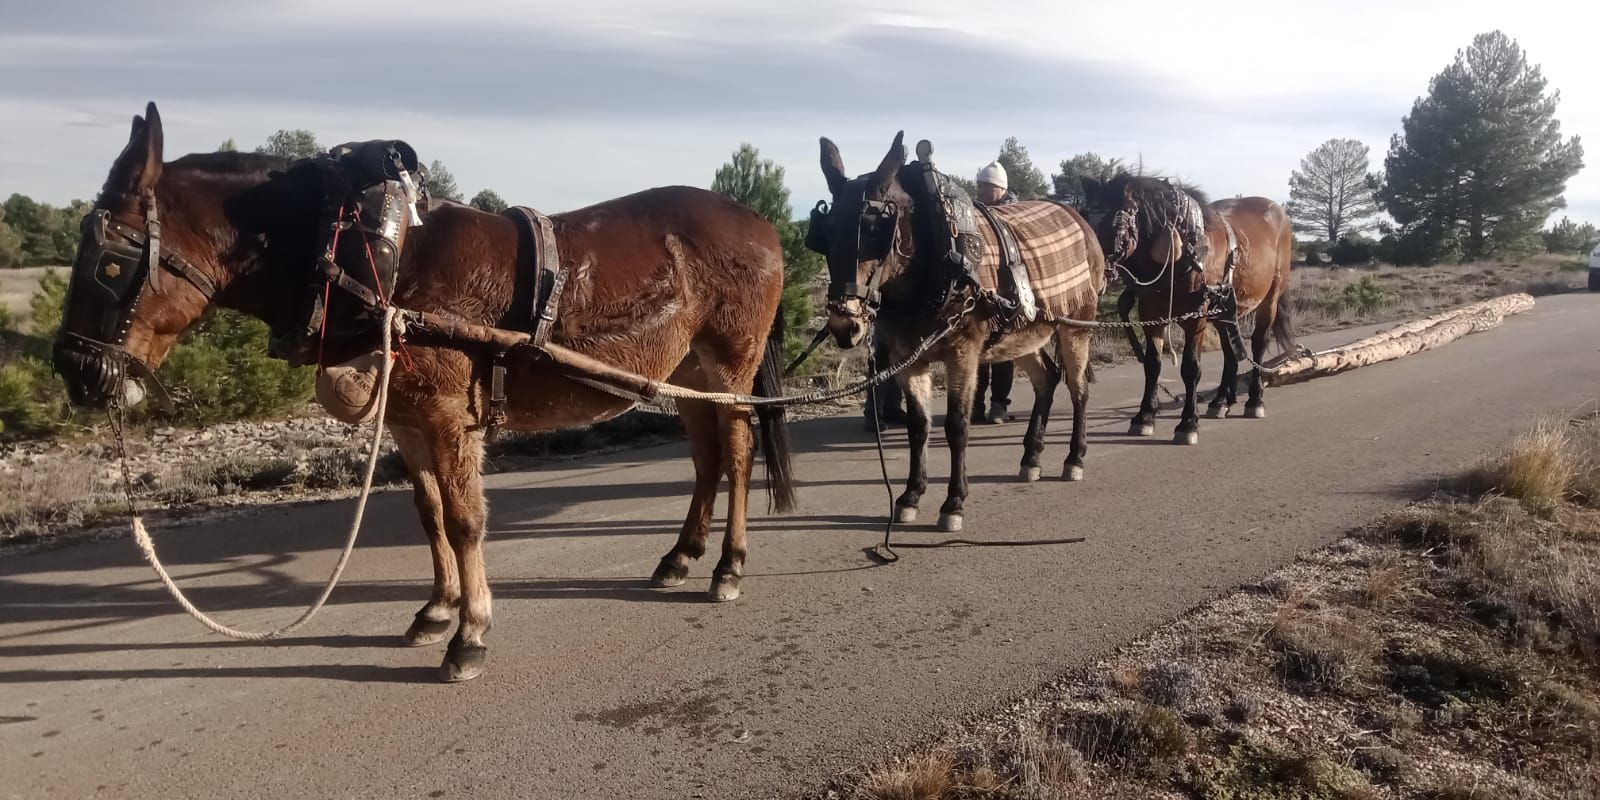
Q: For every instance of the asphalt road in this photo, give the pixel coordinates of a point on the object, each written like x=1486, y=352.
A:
x=599, y=687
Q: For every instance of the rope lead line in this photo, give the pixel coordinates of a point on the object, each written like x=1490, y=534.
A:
x=148, y=548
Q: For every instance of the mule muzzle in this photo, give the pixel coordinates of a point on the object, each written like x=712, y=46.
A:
x=847, y=321
x=95, y=374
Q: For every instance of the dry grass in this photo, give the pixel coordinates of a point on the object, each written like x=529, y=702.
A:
x=1452, y=652
x=1551, y=462
x=39, y=499
x=1327, y=298
x=1323, y=650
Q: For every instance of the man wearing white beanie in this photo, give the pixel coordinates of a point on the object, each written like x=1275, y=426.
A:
x=995, y=379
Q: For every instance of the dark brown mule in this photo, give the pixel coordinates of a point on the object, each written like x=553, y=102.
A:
x=886, y=237
x=672, y=283
x=1147, y=235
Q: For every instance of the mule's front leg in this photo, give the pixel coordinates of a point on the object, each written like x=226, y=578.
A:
x=1144, y=422
x=918, y=389
x=432, y=622
x=1188, y=431
x=736, y=456
x=457, y=462
x=960, y=375
x=1227, y=391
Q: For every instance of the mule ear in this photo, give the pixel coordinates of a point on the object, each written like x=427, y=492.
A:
x=833, y=166
x=892, y=162
x=138, y=167
x=154, y=143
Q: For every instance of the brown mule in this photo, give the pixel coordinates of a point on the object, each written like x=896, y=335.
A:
x=1167, y=262
x=888, y=245
x=675, y=283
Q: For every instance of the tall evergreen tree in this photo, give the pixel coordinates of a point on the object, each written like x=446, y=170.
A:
x=228, y=146
x=757, y=183
x=1331, y=195
x=440, y=184
x=1481, y=162
x=1026, y=181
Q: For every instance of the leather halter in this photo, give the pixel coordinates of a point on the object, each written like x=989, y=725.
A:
x=112, y=244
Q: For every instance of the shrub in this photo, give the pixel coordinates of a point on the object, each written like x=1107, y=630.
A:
x=222, y=372
x=1367, y=295
x=1353, y=250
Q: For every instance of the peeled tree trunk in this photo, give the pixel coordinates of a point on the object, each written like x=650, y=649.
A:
x=1403, y=340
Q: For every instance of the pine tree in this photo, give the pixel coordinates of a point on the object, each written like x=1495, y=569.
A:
x=1068, y=183
x=488, y=200
x=1568, y=237
x=757, y=183
x=1481, y=162
x=1026, y=181
x=440, y=184
x=1331, y=194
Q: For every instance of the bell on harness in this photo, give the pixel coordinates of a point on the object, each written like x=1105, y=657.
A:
x=372, y=201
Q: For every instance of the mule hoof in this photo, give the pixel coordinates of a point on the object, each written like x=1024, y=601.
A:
x=724, y=588
x=1255, y=411
x=1186, y=437
x=1137, y=429
x=669, y=574
x=424, y=631
x=950, y=523
x=1217, y=412
x=1074, y=472
x=905, y=514
x=463, y=662
x=1030, y=474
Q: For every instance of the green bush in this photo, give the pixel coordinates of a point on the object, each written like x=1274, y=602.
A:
x=220, y=371
x=1366, y=296
x=1352, y=251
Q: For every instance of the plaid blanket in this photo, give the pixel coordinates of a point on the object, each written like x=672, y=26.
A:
x=1055, y=248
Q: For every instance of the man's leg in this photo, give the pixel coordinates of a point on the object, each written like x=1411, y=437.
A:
x=979, y=414
x=1000, y=391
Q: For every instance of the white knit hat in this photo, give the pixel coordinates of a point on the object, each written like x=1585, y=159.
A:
x=994, y=174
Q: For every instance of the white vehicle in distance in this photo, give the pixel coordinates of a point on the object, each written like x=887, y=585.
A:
x=1594, y=269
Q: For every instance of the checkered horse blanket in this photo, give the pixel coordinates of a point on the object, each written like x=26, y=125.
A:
x=1055, y=247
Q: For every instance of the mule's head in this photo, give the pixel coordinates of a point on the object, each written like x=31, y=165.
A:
x=161, y=244
x=866, y=235
x=1134, y=216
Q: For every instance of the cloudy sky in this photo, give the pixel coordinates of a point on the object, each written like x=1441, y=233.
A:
x=558, y=105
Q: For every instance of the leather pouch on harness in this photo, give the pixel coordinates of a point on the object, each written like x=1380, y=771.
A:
x=948, y=227
x=372, y=194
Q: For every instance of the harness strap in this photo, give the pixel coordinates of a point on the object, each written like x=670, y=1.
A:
x=540, y=277
x=172, y=262
x=495, y=414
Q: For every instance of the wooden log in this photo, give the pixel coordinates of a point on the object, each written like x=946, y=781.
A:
x=457, y=333
x=1402, y=340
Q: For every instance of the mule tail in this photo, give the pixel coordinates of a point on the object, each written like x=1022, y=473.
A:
x=775, y=449
x=1283, y=325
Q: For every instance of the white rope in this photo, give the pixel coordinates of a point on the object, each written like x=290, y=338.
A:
x=148, y=548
